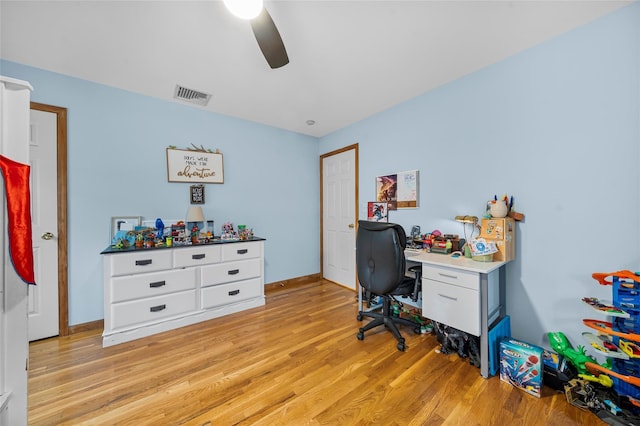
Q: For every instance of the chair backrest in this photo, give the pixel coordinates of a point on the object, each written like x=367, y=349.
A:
x=380, y=256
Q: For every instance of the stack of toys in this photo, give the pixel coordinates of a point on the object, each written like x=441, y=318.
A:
x=616, y=382
x=621, y=336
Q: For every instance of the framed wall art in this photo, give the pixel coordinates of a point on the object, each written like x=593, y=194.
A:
x=407, y=195
x=399, y=190
x=386, y=190
x=123, y=223
x=195, y=166
x=377, y=212
x=197, y=194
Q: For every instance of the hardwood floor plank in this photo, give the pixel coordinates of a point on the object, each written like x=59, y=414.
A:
x=294, y=361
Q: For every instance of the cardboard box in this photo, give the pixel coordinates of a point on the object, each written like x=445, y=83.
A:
x=501, y=231
x=521, y=365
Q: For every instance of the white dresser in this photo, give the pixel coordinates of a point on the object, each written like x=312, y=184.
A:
x=464, y=294
x=148, y=291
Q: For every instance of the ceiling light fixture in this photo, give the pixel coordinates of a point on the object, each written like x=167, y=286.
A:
x=311, y=122
x=244, y=9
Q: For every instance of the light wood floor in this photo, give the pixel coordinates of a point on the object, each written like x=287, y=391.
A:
x=295, y=361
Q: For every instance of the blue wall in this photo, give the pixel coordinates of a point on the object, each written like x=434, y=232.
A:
x=558, y=127
x=117, y=167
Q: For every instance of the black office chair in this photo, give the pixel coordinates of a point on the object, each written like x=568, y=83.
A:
x=381, y=271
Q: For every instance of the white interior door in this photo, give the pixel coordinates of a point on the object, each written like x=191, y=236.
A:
x=339, y=217
x=43, y=297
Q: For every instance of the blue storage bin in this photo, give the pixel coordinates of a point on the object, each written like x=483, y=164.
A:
x=500, y=331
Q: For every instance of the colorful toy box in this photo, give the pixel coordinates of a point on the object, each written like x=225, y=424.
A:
x=521, y=365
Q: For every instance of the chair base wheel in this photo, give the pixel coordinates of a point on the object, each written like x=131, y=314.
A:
x=360, y=335
x=360, y=317
x=401, y=346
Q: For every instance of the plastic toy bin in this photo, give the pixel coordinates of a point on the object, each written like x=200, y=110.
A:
x=500, y=331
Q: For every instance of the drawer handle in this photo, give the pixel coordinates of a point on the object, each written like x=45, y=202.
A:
x=455, y=277
x=243, y=251
x=198, y=256
x=157, y=308
x=455, y=299
x=233, y=271
x=144, y=262
x=157, y=284
x=234, y=292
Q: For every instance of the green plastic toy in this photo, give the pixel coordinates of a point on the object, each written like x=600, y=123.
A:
x=578, y=358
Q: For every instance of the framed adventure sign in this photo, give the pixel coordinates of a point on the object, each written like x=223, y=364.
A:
x=184, y=165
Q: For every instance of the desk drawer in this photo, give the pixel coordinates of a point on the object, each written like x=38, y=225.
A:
x=152, y=309
x=452, y=305
x=231, y=271
x=154, y=284
x=228, y=293
x=451, y=276
x=238, y=251
x=194, y=256
x=139, y=262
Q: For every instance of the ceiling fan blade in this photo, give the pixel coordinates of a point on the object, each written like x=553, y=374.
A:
x=269, y=40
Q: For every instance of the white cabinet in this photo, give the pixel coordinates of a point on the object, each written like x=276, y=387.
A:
x=452, y=297
x=464, y=294
x=155, y=290
x=14, y=340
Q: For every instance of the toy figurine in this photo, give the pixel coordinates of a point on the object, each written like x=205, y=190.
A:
x=194, y=234
x=160, y=227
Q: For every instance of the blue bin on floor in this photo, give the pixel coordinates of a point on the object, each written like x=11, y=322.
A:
x=501, y=330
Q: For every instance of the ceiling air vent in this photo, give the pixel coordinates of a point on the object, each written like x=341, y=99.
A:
x=191, y=96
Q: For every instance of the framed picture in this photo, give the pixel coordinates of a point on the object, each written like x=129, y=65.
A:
x=123, y=223
x=377, y=212
x=386, y=190
x=197, y=194
x=399, y=190
x=407, y=195
x=195, y=166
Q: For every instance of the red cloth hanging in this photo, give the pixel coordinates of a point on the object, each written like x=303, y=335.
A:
x=16, y=184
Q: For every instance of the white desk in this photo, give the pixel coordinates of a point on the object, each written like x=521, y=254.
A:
x=464, y=294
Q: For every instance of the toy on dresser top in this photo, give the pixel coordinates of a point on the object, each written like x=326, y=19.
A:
x=435, y=242
x=243, y=233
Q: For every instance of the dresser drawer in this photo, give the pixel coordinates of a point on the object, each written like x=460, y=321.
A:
x=153, y=284
x=228, y=293
x=152, y=309
x=139, y=262
x=237, y=251
x=193, y=256
x=231, y=271
x=455, y=306
x=451, y=276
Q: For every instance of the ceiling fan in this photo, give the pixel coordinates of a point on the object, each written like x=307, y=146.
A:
x=264, y=29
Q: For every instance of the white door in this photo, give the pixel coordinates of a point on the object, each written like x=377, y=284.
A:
x=43, y=297
x=339, y=217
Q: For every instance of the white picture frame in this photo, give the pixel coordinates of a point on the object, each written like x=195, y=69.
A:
x=123, y=223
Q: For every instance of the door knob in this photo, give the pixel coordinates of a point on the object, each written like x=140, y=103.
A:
x=47, y=236
x=351, y=225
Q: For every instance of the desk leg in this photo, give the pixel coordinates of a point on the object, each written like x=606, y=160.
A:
x=484, y=325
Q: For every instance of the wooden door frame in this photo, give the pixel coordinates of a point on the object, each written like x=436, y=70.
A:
x=63, y=274
x=356, y=194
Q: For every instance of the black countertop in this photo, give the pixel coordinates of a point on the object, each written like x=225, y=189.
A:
x=216, y=241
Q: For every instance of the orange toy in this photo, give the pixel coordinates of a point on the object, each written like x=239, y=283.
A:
x=601, y=276
x=607, y=328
